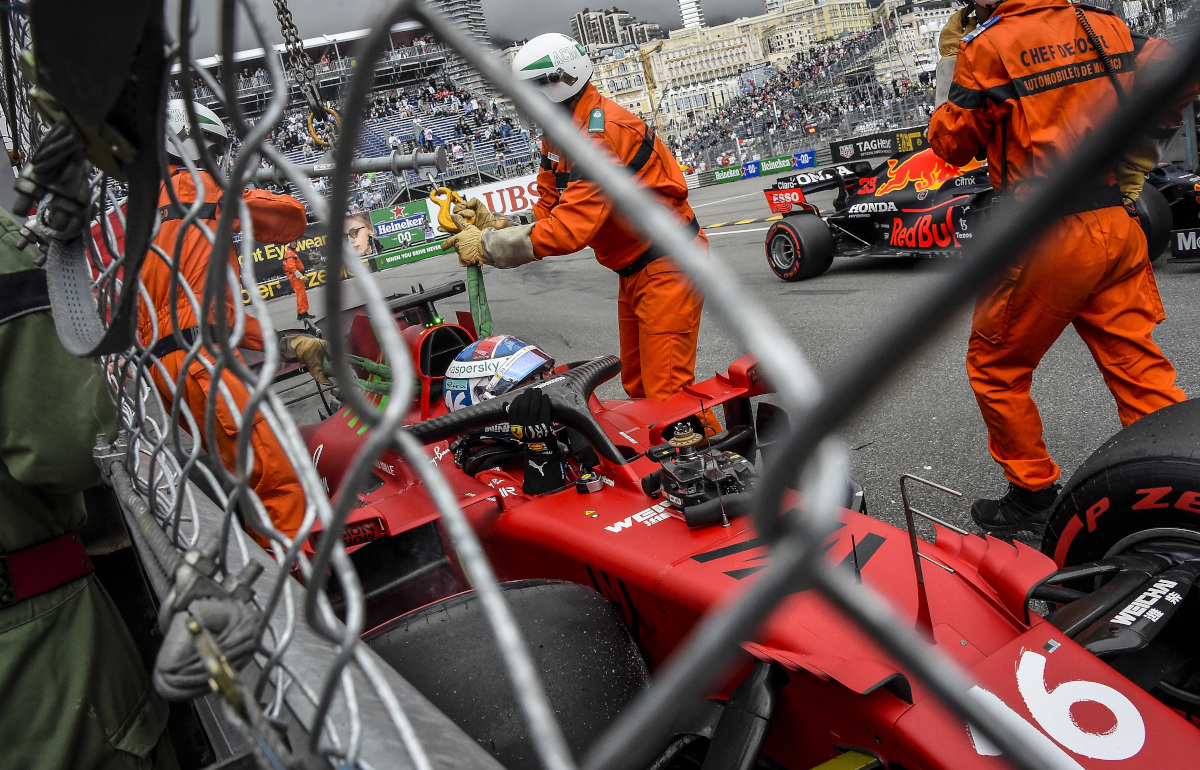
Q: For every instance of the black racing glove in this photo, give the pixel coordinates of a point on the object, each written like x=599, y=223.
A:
x=529, y=422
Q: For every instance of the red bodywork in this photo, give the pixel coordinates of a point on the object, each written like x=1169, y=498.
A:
x=662, y=576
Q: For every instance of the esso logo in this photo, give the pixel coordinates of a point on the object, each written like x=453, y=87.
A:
x=1051, y=710
x=789, y=196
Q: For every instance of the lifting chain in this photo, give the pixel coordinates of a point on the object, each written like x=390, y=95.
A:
x=324, y=124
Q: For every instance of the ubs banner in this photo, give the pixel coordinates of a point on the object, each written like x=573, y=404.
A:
x=881, y=145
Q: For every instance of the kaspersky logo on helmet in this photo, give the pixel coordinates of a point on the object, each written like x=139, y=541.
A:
x=556, y=58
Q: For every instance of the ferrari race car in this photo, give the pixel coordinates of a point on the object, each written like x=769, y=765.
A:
x=916, y=204
x=1089, y=643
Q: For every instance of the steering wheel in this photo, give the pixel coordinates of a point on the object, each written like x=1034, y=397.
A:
x=568, y=392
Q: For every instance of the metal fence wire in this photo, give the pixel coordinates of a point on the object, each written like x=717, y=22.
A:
x=302, y=672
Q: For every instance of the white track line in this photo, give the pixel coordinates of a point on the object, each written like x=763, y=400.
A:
x=730, y=231
x=726, y=200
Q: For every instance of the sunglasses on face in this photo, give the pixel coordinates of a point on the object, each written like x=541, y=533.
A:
x=353, y=232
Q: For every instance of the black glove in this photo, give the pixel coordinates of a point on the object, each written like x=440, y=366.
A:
x=529, y=422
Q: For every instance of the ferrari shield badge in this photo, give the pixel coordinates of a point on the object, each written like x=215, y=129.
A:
x=596, y=121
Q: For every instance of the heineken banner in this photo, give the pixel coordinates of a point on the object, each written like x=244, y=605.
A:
x=727, y=174
x=407, y=232
x=881, y=145
x=775, y=165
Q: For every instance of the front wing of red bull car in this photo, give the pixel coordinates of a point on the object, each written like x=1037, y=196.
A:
x=913, y=204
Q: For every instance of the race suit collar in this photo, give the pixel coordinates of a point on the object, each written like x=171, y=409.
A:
x=589, y=99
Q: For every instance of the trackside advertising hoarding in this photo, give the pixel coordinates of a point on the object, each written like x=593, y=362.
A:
x=882, y=145
x=806, y=159
x=775, y=165
x=382, y=239
x=727, y=174
x=507, y=196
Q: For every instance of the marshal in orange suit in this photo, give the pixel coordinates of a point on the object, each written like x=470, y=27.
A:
x=658, y=308
x=1029, y=85
x=276, y=219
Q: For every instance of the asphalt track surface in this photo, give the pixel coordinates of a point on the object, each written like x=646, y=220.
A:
x=924, y=421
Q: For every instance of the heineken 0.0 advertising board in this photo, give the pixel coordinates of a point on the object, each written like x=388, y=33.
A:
x=406, y=232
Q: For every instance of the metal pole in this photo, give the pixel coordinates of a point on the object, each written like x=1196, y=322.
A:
x=421, y=162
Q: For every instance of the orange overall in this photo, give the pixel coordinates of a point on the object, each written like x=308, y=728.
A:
x=1028, y=87
x=276, y=219
x=658, y=309
x=291, y=266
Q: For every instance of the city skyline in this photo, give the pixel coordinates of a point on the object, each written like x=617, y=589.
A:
x=507, y=20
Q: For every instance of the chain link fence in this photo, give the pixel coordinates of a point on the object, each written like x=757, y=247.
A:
x=306, y=691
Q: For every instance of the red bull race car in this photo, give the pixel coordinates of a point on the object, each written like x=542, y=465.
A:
x=916, y=204
x=1087, y=643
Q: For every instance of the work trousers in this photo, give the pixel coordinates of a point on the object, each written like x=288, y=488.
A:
x=658, y=313
x=272, y=477
x=300, y=287
x=1091, y=271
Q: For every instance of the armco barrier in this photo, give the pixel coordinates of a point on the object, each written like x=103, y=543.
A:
x=763, y=167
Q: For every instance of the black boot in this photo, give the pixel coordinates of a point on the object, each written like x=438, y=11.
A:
x=1019, y=510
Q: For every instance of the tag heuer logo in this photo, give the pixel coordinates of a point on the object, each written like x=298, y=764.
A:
x=847, y=151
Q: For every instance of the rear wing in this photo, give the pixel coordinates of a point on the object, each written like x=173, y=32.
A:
x=789, y=192
x=830, y=178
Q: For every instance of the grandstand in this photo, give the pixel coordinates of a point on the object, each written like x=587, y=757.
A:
x=413, y=94
x=827, y=91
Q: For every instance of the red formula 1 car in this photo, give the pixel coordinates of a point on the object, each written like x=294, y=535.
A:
x=916, y=204
x=609, y=573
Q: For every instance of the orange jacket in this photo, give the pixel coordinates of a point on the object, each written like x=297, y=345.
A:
x=1029, y=86
x=291, y=262
x=276, y=219
x=574, y=212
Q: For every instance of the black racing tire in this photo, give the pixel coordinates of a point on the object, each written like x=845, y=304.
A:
x=1154, y=215
x=1142, y=484
x=800, y=247
x=588, y=662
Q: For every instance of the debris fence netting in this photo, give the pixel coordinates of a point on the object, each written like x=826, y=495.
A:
x=305, y=673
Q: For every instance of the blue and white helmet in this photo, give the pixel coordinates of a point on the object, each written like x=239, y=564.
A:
x=491, y=367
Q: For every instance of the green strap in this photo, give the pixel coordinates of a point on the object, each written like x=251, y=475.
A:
x=477, y=294
x=378, y=388
x=371, y=367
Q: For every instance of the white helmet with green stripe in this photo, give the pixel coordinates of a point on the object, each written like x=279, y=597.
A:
x=556, y=64
x=214, y=131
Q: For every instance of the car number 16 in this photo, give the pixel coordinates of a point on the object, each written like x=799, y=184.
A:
x=1051, y=711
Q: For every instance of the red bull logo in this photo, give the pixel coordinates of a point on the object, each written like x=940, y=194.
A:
x=925, y=233
x=924, y=170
